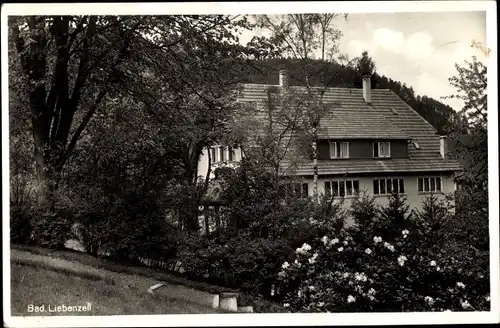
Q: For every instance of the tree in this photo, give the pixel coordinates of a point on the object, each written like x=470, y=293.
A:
x=471, y=84
x=300, y=36
x=365, y=64
x=71, y=64
x=56, y=53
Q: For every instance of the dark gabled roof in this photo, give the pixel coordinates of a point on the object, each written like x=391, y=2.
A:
x=349, y=117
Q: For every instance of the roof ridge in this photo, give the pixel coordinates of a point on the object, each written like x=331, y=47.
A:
x=314, y=87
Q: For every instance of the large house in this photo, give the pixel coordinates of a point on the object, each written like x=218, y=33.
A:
x=370, y=140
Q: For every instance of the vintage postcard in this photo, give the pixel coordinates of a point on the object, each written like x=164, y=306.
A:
x=250, y=163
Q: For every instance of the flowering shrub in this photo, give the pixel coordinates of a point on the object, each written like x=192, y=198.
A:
x=339, y=274
x=358, y=270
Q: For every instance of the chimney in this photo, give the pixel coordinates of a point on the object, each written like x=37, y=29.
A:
x=443, y=148
x=284, y=78
x=367, y=88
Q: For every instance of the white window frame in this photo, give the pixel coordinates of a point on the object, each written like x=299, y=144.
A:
x=301, y=185
x=378, y=149
x=354, y=193
x=333, y=154
x=429, y=178
x=387, y=191
x=224, y=151
x=213, y=154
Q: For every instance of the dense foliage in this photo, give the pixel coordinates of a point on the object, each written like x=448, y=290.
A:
x=385, y=265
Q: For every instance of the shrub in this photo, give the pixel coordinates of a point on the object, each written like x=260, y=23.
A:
x=249, y=264
x=340, y=275
x=20, y=225
x=50, y=229
x=471, y=221
x=363, y=209
x=359, y=270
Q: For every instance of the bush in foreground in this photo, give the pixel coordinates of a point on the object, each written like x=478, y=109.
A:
x=359, y=270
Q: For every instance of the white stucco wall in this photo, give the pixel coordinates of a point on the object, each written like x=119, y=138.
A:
x=203, y=163
x=414, y=197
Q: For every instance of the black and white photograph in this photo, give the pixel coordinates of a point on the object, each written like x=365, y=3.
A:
x=208, y=163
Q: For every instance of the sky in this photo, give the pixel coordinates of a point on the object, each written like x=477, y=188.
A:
x=416, y=48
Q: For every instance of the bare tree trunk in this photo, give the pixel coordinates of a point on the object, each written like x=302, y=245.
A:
x=315, y=168
x=207, y=225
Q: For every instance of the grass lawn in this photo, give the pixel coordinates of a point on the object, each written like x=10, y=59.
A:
x=39, y=286
x=101, y=263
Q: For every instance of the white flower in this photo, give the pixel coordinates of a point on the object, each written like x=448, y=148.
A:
x=340, y=249
x=312, y=260
x=360, y=276
x=377, y=239
x=312, y=221
x=371, y=291
x=405, y=232
x=285, y=265
x=286, y=304
x=438, y=269
x=345, y=275
x=432, y=263
x=304, y=249
x=429, y=300
x=282, y=274
x=351, y=299
x=487, y=298
x=389, y=246
x=297, y=263
x=321, y=304
x=312, y=288
x=345, y=242
x=299, y=293
x=401, y=260
x=368, y=251
x=371, y=298
x=465, y=304
x=324, y=240
x=334, y=241
x=460, y=284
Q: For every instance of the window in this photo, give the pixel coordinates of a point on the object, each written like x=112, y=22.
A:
x=222, y=154
x=381, y=149
x=386, y=186
x=297, y=189
x=212, y=155
x=429, y=184
x=339, y=149
x=341, y=188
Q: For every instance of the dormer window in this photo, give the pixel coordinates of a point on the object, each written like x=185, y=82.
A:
x=382, y=149
x=339, y=150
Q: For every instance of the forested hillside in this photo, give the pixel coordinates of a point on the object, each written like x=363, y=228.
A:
x=337, y=75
